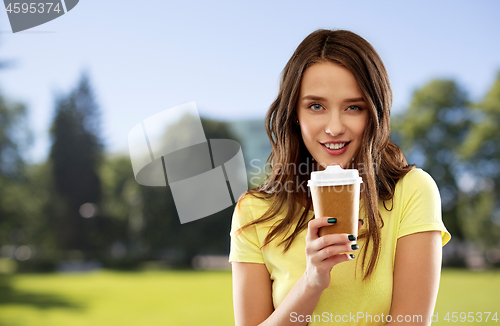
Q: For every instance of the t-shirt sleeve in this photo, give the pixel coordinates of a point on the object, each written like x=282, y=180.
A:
x=421, y=210
x=245, y=244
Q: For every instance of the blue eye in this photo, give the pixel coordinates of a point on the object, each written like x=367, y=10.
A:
x=354, y=108
x=316, y=107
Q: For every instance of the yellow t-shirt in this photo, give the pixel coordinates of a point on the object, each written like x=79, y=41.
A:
x=348, y=300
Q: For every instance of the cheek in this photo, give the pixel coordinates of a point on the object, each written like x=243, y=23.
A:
x=308, y=130
x=359, y=126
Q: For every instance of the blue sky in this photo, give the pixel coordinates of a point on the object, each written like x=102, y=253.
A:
x=144, y=57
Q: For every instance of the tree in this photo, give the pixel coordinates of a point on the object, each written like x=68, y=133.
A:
x=75, y=157
x=481, y=149
x=23, y=233
x=14, y=138
x=122, y=206
x=431, y=131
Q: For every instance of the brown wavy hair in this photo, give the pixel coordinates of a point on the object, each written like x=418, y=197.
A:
x=382, y=161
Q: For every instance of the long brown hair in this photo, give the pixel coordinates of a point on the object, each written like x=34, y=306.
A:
x=382, y=161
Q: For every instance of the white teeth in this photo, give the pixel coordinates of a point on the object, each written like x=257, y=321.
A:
x=335, y=146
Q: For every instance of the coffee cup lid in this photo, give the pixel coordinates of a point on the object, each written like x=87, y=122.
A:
x=334, y=175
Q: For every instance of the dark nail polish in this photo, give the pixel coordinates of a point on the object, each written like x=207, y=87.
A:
x=362, y=222
x=332, y=220
x=351, y=237
x=355, y=247
x=352, y=256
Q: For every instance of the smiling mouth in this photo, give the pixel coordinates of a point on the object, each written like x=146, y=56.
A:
x=335, y=146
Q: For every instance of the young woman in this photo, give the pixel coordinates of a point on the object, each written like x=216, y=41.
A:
x=333, y=108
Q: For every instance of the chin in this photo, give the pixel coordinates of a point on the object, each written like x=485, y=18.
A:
x=342, y=164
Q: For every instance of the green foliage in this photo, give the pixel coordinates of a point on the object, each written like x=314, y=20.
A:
x=476, y=213
x=24, y=192
x=435, y=121
x=18, y=207
x=75, y=157
x=432, y=129
x=25, y=204
x=482, y=150
x=458, y=143
x=484, y=136
x=14, y=138
x=119, y=187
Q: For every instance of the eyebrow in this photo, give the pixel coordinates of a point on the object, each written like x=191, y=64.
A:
x=356, y=99
x=313, y=98
x=319, y=98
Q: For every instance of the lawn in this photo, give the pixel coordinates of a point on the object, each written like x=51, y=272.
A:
x=121, y=299
x=183, y=298
x=468, y=292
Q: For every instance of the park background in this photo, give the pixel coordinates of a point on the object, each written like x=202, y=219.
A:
x=82, y=243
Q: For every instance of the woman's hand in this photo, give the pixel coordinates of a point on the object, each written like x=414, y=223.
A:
x=322, y=253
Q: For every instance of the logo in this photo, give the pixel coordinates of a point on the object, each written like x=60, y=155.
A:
x=205, y=176
x=25, y=14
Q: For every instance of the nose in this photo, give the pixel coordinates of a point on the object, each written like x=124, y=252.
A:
x=334, y=124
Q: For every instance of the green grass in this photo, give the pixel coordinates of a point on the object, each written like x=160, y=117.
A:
x=121, y=299
x=468, y=291
x=181, y=298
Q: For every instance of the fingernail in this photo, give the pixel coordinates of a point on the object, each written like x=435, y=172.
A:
x=352, y=256
x=362, y=222
x=332, y=220
x=351, y=237
x=355, y=247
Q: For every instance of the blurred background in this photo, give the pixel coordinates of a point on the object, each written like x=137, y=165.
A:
x=82, y=243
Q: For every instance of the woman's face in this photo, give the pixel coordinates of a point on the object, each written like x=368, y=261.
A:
x=332, y=114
